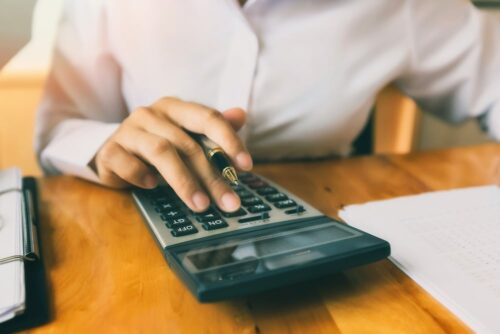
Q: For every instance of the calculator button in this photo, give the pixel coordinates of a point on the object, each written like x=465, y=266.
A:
x=257, y=184
x=288, y=203
x=251, y=201
x=162, y=191
x=276, y=197
x=262, y=216
x=207, y=216
x=266, y=191
x=172, y=223
x=244, y=194
x=248, y=178
x=298, y=209
x=239, y=213
x=214, y=224
x=259, y=208
x=171, y=214
x=184, y=230
x=156, y=193
x=162, y=200
x=166, y=207
x=237, y=187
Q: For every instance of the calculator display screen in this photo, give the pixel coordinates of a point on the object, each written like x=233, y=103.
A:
x=264, y=253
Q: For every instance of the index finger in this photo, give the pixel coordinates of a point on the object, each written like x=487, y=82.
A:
x=210, y=122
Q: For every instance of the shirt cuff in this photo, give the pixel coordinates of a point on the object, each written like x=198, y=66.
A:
x=74, y=146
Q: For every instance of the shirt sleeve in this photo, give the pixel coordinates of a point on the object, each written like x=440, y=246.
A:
x=454, y=71
x=82, y=104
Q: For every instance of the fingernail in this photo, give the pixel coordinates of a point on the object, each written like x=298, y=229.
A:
x=244, y=161
x=200, y=200
x=230, y=202
x=150, y=181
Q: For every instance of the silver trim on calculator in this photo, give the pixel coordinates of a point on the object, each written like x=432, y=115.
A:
x=165, y=238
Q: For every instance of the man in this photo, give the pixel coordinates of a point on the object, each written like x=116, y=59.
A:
x=298, y=77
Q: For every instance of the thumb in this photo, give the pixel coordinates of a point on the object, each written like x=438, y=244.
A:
x=236, y=117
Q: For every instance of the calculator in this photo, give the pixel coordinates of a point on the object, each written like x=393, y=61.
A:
x=274, y=239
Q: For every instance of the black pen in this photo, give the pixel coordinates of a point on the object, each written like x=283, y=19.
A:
x=217, y=157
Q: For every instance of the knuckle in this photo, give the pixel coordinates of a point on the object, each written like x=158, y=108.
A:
x=166, y=100
x=184, y=185
x=141, y=112
x=215, y=184
x=232, y=142
x=124, y=128
x=133, y=171
x=106, y=178
x=160, y=146
x=235, y=146
x=214, y=116
x=107, y=153
x=112, y=181
x=191, y=149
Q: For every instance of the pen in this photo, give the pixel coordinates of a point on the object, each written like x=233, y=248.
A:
x=217, y=157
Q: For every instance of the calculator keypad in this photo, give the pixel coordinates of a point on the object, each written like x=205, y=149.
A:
x=261, y=203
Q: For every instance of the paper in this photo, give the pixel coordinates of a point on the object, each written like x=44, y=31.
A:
x=448, y=242
x=12, y=291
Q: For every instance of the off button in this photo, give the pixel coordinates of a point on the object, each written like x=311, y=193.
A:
x=184, y=230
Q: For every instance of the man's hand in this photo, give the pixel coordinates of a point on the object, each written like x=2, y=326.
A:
x=152, y=139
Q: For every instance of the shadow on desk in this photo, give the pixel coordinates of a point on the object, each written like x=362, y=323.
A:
x=296, y=304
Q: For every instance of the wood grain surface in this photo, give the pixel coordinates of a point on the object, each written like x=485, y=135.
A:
x=107, y=275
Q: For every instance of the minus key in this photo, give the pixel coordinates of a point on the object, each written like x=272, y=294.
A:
x=262, y=216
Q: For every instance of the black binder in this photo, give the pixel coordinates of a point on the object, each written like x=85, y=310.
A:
x=36, y=311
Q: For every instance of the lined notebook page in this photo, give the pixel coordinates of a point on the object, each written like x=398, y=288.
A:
x=12, y=292
x=448, y=242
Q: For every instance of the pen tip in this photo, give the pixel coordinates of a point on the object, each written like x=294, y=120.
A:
x=230, y=174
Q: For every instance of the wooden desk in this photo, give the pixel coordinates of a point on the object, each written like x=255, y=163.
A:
x=107, y=275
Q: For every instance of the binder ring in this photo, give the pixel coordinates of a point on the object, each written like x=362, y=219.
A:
x=13, y=258
x=5, y=191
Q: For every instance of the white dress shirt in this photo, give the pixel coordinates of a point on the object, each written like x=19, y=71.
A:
x=306, y=71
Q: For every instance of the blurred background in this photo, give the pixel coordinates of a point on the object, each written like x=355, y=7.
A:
x=399, y=126
x=21, y=83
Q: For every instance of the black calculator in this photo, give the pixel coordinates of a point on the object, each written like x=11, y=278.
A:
x=273, y=240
